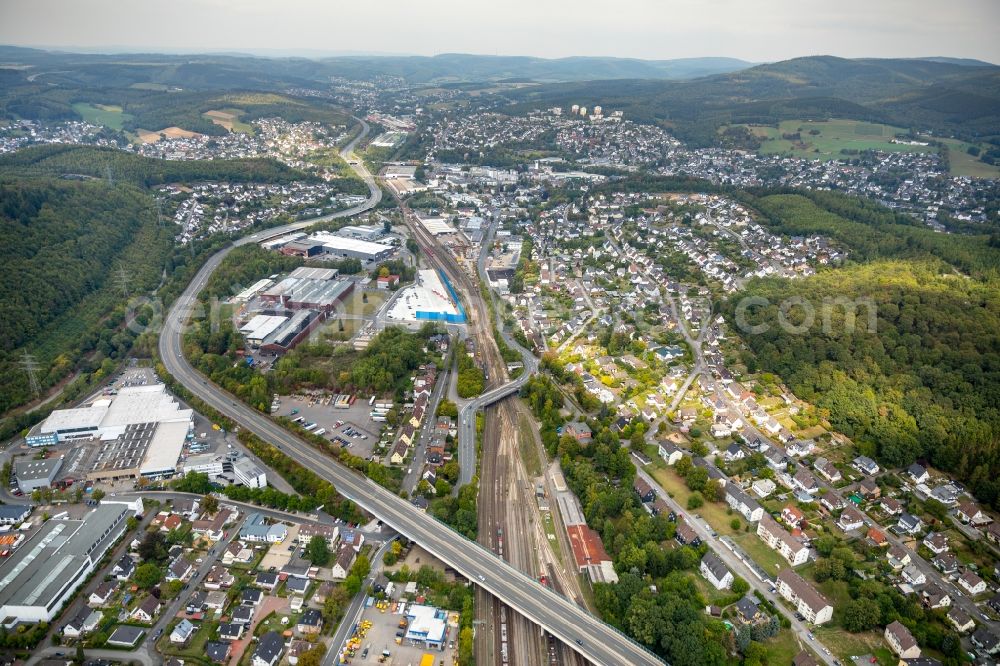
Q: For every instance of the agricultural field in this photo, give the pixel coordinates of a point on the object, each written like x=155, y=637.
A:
x=109, y=115
x=825, y=140
x=964, y=164
x=147, y=136
x=230, y=119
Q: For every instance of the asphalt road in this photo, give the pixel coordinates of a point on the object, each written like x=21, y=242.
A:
x=738, y=567
x=583, y=632
x=353, y=612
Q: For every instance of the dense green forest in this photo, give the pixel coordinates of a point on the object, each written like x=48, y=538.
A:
x=925, y=384
x=73, y=250
x=120, y=166
x=153, y=107
x=947, y=97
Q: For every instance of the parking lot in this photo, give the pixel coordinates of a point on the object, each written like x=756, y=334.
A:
x=356, y=430
x=382, y=636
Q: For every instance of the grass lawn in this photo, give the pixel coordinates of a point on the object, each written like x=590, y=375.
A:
x=101, y=114
x=715, y=513
x=832, y=137
x=769, y=560
x=844, y=644
x=529, y=450
x=550, y=534
x=782, y=648
x=195, y=649
x=964, y=164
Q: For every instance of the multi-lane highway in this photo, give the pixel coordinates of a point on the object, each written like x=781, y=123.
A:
x=583, y=632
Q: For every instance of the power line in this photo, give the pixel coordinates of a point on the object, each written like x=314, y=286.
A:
x=30, y=366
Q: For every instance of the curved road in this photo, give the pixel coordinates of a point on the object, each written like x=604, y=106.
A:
x=583, y=632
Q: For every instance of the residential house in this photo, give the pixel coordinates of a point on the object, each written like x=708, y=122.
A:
x=125, y=636
x=748, y=612
x=898, y=557
x=969, y=512
x=344, y=560
x=643, y=489
x=807, y=600
x=909, y=524
x=827, y=470
x=579, y=431
x=779, y=539
x=715, y=571
x=832, y=501
x=179, y=569
x=182, y=632
x=869, y=489
x=901, y=641
x=913, y=575
x=670, y=453
x=231, y=631
x=251, y=597
x=805, y=481
x=218, y=578
x=851, y=519
x=936, y=542
x=918, y=473
x=986, y=640
x=865, y=465
x=218, y=651
x=792, y=516
x=876, y=537
x=147, y=610
x=946, y=563
x=734, y=452
x=934, y=597
x=269, y=649
x=237, y=553
x=310, y=622
x=747, y=506
x=243, y=614
x=685, y=535
x=102, y=595
x=267, y=580
x=972, y=583
x=124, y=568
x=763, y=487
x=891, y=506
x=960, y=620
x=83, y=623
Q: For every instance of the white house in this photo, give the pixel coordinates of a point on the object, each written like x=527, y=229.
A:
x=715, y=571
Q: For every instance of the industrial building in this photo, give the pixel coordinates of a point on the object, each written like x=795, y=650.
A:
x=34, y=474
x=333, y=245
x=139, y=432
x=242, y=470
x=436, y=226
x=40, y=576
x=108, y=416
x=301, y=293
x=430, y=298
x=365, y=232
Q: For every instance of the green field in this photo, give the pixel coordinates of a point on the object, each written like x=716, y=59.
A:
x=830, y=138
x=964, y=164
x=108, y=115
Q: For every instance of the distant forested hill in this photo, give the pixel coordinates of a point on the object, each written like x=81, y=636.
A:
x=224, y=71
x=925, y=384
x=949, y=97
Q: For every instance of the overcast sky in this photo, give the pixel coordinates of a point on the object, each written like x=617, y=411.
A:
x=756, y=30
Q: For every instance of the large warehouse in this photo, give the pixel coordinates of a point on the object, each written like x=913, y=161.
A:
x=296, y=293
x=141, y=431
x=108, y=417
x=38, y=578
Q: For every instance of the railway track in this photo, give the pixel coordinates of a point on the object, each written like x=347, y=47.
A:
x=509, y=523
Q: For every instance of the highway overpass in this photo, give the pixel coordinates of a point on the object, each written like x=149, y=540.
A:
x=584, y=633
